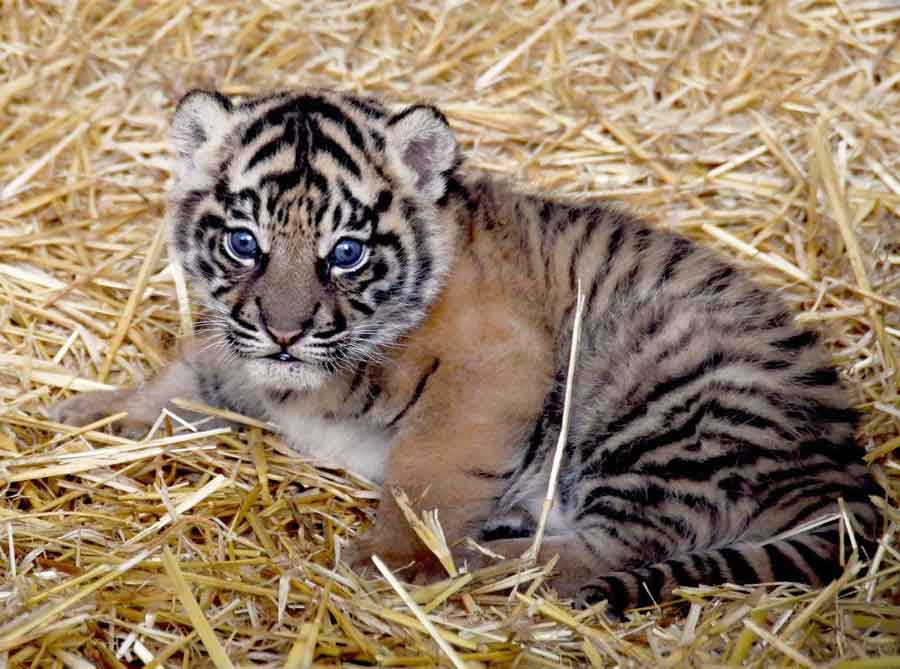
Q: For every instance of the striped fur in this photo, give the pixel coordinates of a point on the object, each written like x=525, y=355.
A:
x=705, y=421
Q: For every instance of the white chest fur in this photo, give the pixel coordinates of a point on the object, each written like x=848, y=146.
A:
x=356, y=446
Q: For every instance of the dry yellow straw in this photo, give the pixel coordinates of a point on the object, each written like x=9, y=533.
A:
x=156, y=248
x=418, y=613
x=195, y=613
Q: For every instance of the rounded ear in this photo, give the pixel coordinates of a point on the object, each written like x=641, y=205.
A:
x=421, y=148
x=199, y=117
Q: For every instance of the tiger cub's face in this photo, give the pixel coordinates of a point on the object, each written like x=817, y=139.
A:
x=310, y=224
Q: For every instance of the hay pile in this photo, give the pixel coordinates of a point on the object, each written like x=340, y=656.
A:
x=768, y=130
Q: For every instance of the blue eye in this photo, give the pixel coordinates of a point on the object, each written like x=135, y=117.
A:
x=241, y=245
x=348, y=253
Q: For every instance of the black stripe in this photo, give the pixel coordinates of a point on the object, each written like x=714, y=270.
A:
x=417, y=393
x=824, y=376
x=804, y=476
x=288, y=180
x=783, y=567
x=547, y=229
x=220, y=266
x=551, y=416
x=204, y=268
x=703, y=469
x=649, y=495
x=237, y=334
x=709, y=364
x=713, y=569
x=304, y=105
x=377, y=270
x=825, y=569
x=414, y=108
x=374, y=392
x=188, y=205
x=235, y=316
x=742, y=572
x=505, y=531
x=280, y=396
x=324, y=143
x=642, y=239
x=812, y=488
x=700, y=567
x=335, y=114
x=535, y=441
x=717, y=282
x=338, y=325
x=680, y=345
x=368, y=107
x=592, y=219
x=211, y=221
x=483, y=474
x=244, y=197
x=794, y=474
x=680, y=250
x=680, y=573
x=265, y=152
x=743, y=418
x=221, y=290
x=627, y=283
x=615, y=243
x=383, y=203
x=361, y=307
x=623, y=458
x=423, y=261
x=623, y=517
x=358, y=376
x=611, y=532
x=797, y=342
x=321, y=209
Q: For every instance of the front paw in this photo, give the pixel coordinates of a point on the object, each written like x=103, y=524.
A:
x=87, y=408
x=83, y=409
x=414, y=562
x=358, y=555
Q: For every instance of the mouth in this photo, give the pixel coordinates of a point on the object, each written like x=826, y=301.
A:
x=282, y=356
x=280, y=371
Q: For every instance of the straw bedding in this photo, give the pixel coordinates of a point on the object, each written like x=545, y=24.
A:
x=767, y=130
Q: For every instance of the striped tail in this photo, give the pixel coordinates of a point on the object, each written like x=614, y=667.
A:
x=808, y=558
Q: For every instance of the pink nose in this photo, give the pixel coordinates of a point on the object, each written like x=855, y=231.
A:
x=284, y=338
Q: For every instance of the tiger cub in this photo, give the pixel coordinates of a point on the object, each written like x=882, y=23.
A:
x=399, y=317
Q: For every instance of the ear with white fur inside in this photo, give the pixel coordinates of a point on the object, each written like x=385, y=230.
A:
x=421, y=148
x=199, y=117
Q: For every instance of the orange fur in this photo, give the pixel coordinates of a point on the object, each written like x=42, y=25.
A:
x=495, y=368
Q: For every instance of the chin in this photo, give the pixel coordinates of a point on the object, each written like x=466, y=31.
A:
x=274, y=375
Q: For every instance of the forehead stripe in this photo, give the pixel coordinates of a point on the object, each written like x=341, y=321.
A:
x=319, y=141
x=266, y=151
x=305, y=105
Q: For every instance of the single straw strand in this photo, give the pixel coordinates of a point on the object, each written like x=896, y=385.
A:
x=532, y=553
x=195, y=613
x=122, y=326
